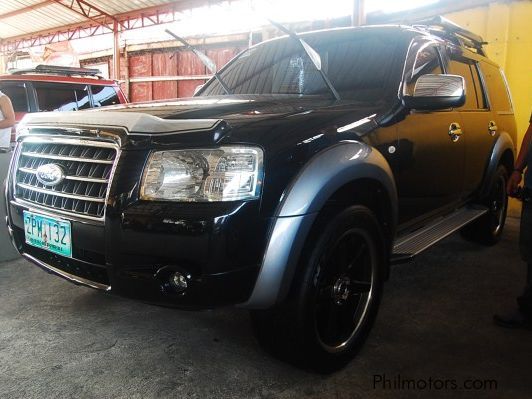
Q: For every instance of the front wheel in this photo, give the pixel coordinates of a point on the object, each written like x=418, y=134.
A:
x=335, y=295
x=488, y=228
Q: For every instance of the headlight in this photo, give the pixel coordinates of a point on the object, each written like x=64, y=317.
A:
x=220, y=174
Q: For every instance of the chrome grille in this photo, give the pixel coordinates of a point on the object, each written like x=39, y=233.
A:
x=87, y=166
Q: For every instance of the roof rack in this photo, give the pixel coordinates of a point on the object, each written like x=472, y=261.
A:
x=58, y=70
x=442, y=27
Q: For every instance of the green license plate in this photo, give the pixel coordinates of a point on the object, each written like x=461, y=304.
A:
x=48, y=233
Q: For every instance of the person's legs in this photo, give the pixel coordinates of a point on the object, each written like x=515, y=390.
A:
x=525, y=243
x=522, y=316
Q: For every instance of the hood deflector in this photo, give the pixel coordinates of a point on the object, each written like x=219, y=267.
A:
x=132, y=122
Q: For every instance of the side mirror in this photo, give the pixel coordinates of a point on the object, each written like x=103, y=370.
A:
x=437, y=92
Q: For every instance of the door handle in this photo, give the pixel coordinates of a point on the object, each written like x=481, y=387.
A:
x=455, y=132
x=492, y=128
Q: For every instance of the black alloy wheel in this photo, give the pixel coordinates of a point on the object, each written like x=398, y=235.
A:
x=488, y=229
x=335, y=294
x=344, y=280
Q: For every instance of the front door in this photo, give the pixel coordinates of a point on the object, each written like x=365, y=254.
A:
x=429, y=166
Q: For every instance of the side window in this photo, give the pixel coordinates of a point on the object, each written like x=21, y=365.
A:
x=61, y=97
x=17, y=94
x=459, y=65
x=499, y=94
x=82, y=97
x=104, y=95
x=427, y=62
x=482, y=98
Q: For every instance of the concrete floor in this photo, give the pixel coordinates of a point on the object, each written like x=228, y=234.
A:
x=7, y=252
x=58, y=340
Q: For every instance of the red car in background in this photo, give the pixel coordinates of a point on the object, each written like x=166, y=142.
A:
x=56, y=88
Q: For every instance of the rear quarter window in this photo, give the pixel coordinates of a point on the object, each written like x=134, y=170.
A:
x=498, y=92
x=104, y=95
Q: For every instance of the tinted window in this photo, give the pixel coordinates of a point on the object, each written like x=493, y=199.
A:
x=17, y=94
x=61, y=97
x=360, y=65
x=427, y=62
x=82, y=97
x=479, y=88
x=459, y=65
x=104, y=95
x=498, y=91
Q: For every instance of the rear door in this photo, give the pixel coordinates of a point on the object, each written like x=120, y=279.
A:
x=429, y=164
x=478, y=125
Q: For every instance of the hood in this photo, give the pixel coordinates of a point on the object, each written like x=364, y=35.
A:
x=211, y=119
x=235, y=109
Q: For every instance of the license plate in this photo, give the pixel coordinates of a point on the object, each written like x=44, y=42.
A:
x=48, y=233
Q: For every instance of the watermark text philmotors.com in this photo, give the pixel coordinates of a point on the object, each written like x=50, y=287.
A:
x=399, y=382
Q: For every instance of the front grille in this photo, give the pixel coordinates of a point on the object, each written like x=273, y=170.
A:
x=87, y=167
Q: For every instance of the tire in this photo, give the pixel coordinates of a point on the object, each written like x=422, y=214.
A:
x=487, y=229
x=335, y=295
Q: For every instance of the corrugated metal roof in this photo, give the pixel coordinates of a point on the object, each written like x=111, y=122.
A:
x=23, y=17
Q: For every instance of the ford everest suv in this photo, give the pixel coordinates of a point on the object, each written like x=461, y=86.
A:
x=287, y=185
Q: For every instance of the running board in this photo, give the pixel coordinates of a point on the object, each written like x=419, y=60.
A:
x=413, y=243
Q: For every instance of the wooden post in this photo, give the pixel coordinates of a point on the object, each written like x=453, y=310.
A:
x=116, y=51
x=358, y=17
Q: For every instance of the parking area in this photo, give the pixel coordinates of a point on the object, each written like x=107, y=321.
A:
x=60, y=340
x=265, y=154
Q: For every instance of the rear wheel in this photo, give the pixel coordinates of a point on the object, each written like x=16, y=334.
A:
x=335, y=296
x=488, y=228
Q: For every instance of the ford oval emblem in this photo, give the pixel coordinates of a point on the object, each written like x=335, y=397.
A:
x=50, y=174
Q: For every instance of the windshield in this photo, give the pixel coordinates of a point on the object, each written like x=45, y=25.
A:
x=361, y=65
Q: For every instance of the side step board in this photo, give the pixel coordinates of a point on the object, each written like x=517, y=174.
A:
x=413, y=243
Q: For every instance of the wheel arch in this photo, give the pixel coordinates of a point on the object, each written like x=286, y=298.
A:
x=503, y=152
x=342, y=174
x=370, y=193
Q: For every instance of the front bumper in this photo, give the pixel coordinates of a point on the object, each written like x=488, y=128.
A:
x=134, y=251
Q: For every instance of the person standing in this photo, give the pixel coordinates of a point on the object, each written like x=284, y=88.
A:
x=522, y=317
x=7, y=121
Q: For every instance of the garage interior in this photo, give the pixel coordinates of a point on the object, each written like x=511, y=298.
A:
x=59, y=340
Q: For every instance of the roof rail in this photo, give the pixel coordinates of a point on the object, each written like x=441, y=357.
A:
x=58, y=70
x=442, y=27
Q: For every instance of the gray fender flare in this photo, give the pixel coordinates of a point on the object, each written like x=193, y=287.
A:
x=320, y=178
x=504, y=142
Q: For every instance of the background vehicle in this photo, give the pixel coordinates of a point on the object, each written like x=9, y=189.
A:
x=57, y=88
x=281, y=187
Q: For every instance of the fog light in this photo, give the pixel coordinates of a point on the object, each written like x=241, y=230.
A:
x=178, y=282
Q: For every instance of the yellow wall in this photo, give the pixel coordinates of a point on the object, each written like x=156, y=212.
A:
x=507, y=27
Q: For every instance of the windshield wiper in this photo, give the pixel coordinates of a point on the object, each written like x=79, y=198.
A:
x=210, y=64
x=312, y=54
